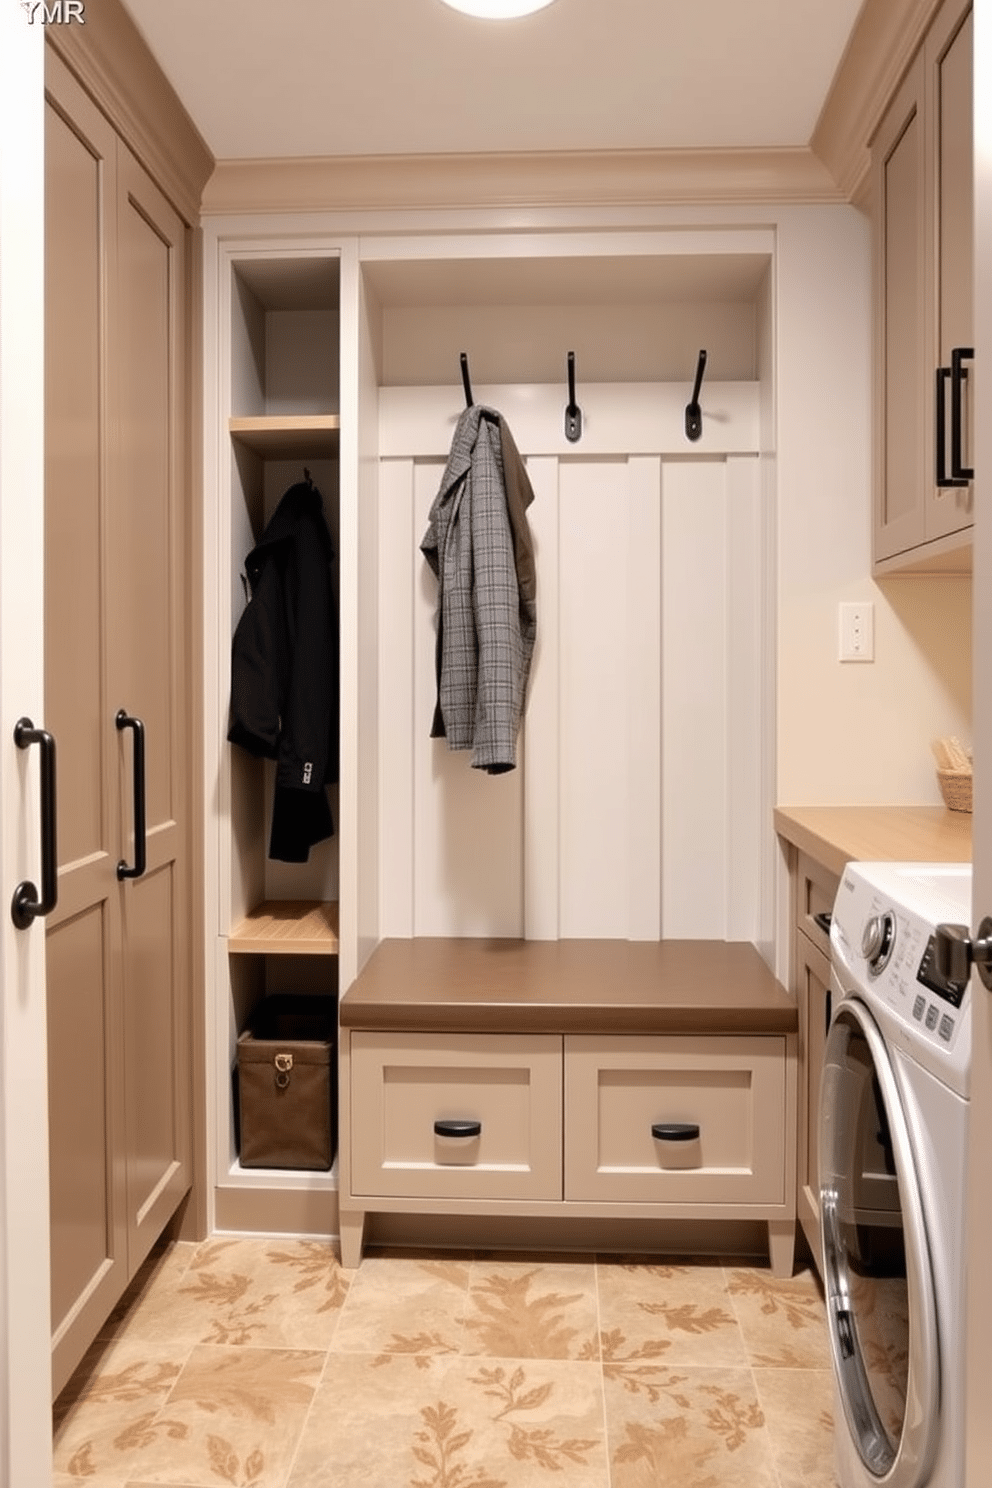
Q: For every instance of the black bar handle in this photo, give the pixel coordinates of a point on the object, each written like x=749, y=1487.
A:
x=944, y=481
x=124, y=720
x=959, y=355
x=675, y=1131
x=26, y=906
x=693, y=412
x=573, y=413
x=458, y=1129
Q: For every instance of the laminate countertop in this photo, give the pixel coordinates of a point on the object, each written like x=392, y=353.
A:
x=837, y=835
x=568, y=986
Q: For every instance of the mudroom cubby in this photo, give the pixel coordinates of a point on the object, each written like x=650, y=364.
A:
x=653, y=552
x=277, y=424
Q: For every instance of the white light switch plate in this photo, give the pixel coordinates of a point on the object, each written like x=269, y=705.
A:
x=857, y=632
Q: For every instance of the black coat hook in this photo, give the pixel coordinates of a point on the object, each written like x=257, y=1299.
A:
x=693, y=412
x=573, y=413
x=466, y=384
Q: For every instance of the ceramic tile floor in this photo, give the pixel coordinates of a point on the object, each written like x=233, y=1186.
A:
x=263, y=1364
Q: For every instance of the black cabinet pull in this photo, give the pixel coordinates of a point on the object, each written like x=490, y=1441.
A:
x=26, y=906
x=123, y=720
x=458, y=1128
x=959, y=355
x=675, y=1131
x=956, y=374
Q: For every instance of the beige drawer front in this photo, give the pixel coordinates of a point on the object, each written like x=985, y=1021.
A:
x=403, y=1083
x=733, y=1089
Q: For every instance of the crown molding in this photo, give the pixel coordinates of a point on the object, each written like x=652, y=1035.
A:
x=884, y=41
x=574, y=178
x=109, y=57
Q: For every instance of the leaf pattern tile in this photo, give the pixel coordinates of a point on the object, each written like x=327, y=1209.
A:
x=697, y=1428
x=285, y=1293
x=783, y=1321
x=454, y=1424
x=234, y=1416
x=261, y=1364
x=149, y=1304
x=530, y=1310
x=798, y=1406
x=404, y=1305
x=118, y=1386
x=676, y=1313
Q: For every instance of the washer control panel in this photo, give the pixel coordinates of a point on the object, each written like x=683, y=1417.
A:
x=900, y=959
x=884, y=946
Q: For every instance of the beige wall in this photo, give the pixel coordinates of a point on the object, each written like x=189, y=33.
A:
x=848, y=732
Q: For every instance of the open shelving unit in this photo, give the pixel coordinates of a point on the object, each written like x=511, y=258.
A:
x=280, y=420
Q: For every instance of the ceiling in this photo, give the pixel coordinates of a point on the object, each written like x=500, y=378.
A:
x=266, y=79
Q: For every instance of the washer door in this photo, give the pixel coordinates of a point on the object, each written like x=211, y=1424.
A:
x=879, y=1283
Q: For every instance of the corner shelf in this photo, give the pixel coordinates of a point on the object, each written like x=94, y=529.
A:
x=287, y=927
x=289, y=436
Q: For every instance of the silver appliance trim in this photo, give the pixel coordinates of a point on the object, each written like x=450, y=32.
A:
x=904, y=1463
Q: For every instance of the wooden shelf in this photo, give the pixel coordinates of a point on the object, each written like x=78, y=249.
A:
x=289, y=436
x=287, y=927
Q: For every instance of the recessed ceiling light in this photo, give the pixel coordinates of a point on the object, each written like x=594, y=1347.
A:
x=498, y=10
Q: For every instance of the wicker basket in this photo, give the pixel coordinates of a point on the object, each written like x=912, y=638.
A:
x=955, y=787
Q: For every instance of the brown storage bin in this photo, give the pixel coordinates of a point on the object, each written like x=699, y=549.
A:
x=285, y=1080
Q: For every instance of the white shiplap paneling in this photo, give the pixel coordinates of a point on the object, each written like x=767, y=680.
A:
x=633, y=811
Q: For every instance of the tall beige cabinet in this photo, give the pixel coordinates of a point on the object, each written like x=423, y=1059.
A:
x=923, y=225
x=118, y=655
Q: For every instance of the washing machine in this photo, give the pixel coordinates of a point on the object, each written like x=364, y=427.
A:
x=893, y=1133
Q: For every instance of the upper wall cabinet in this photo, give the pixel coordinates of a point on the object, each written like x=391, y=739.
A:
x=922, y=221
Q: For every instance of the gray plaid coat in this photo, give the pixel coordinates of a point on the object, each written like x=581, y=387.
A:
x=479, y=545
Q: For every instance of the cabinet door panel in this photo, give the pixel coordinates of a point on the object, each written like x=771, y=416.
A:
x=146, y=600
x=145, y=535
x=80, y=175
x=922, y=166
x=88, y=1241
x=950, y=73
x=89, y=1257
x=156, y=1022
x=898, y=156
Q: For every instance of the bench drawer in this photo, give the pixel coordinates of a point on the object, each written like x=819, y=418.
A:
x=619, y=1091
x=407, y=1090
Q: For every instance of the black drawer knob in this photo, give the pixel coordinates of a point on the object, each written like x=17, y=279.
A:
x=675, y=1131
x=458, y=1128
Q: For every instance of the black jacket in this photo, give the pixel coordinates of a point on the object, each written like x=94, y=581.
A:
x=284, y=670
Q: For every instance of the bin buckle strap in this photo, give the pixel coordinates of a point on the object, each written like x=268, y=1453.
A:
x=283, y=1064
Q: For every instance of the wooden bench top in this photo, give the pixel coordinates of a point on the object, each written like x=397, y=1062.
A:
x=568, y=986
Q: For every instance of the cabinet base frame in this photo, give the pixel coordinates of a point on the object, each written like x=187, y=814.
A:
x=637, y=1229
